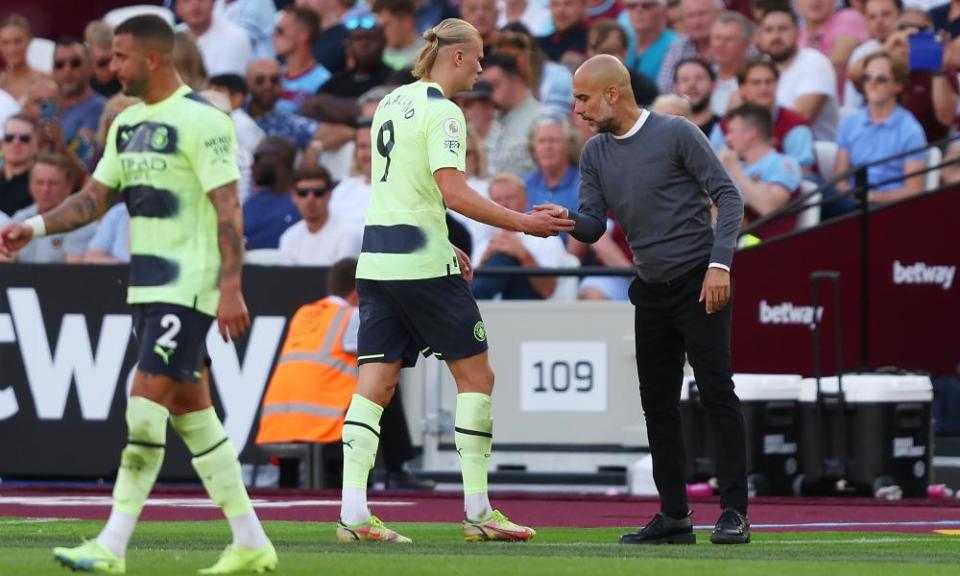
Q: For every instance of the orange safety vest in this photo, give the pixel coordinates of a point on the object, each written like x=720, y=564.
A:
x=310, y=390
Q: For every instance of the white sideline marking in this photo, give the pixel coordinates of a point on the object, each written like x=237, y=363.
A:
x=841, y=525
x=95, y=501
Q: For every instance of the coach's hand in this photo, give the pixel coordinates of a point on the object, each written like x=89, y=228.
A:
x=13, y=237
x=716, y=289
x=547, y=220
x=233, y=320
x=466, y=270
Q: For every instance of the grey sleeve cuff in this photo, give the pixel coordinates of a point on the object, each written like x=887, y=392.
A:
x=721, y=255
x=587, y=228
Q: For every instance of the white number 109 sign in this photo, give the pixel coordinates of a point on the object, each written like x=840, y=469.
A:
x=563, y=376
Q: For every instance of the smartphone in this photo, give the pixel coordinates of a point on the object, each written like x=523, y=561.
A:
x=49, y=109
x=926, y=51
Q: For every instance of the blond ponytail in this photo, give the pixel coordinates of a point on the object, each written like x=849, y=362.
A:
x=447, y=33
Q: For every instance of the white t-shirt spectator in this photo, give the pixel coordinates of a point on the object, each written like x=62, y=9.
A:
x=8, y=107
x=349, y=202
x=812, y=73
x=536, y=17
x=722, y=90
x=55, y=248
x=300, y=247
x=225, y=47
x=548, y=252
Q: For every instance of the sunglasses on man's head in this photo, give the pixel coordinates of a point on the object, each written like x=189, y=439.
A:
x=24, y=138
x=366, y=22
x=272, y=79
x=318, y=192
x=72, y=62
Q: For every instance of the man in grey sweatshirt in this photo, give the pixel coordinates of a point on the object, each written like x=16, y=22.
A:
x=657, y=176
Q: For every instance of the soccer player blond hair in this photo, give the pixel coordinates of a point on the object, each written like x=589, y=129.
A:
x=414, y=296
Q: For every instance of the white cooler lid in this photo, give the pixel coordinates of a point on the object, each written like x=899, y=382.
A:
x=875, y=388
x=758, y=387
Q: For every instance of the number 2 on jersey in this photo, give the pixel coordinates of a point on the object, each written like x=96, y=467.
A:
x=385, y=145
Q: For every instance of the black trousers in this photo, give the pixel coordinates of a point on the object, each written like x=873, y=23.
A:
x=670, y=322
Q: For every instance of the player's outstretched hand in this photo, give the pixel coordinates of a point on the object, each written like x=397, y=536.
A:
x=233, y=320
x=547, y=220
x=466, y=270
x=13, y=237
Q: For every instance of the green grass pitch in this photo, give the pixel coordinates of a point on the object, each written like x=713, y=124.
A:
x=177, y=548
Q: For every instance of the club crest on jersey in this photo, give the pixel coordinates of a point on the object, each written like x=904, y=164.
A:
x=452, y=128
x=160, y=138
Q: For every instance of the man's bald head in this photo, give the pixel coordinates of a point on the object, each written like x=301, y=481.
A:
x=602, y=92
x=262, y=66
x=264, y=82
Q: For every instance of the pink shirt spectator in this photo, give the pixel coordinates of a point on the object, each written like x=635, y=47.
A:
x=846, y=22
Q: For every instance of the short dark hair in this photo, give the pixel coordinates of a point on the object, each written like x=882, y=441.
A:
x=900, y=69
x=148, y=28
x=505, y=62
x=58, y=161
x=897, y=3
x=21, y=117
x=312, y=172
x=602, y=29
x=68, y=41
x=234, y=83
x=395, y=7
x=342, y=277
x=699, y=62
x=757, y=63
x=755, y=115
x=306, y=18
x=781, y=8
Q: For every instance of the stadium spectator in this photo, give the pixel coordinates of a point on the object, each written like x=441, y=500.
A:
x=881, y=18
x=698, y=17
x=225, y=47
x=98, y=36
x=17, y=77
x=507, y=248
x=257, y=18
x=767, y=179
x=608, y=37
x=234, y=87
x=556, y=151
x=808, y=82
x=365, y=66
x=507, y=143
x=694, y=79
x=551, y=82
x=264, y=81
x=569, y=34
x=270, y=210
x=477, y=179
x=302, y=74
x=602, y=10
x=650, y=39
x=613, y=251
x=944, y=14
x=82, y=107
x=320, y=238
x=400, y=29
x=835, y=33
x=478, y=109
x=432, y=12
x=532, y=14
x=675, y=17
x=51, y=182
x=19, y=153
x=483, y=15
x=8, y=107
x=672, y=105
x=329, y=43
x=44, y=106
x=933, y=94
x=731, y=36
x=880, y=130
x=188, y=61
x=351, y=195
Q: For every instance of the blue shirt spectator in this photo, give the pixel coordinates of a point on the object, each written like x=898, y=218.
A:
x=866, y=141
x=776, y=168
x=298, y=129
x=297, y=90
x=563, y=193
x=112, y=238
x=80, y=123
x=256, y=17
x=266, y=216
x=648, y=63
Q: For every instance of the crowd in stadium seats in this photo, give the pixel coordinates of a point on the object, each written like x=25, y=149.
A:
x=788, y=93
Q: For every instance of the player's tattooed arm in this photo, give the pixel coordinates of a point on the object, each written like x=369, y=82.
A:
x=229, y=235
x=85, y=206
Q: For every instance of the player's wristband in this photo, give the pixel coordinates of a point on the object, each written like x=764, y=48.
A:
x=37, y=224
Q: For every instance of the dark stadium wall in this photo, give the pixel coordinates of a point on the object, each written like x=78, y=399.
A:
x=54, y=18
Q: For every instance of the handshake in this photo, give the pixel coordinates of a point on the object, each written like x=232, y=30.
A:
x=547, y=220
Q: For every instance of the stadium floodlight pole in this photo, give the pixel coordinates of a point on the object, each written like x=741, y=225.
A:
x=862, y=187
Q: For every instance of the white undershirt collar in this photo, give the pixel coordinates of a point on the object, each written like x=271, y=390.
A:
x=644, y=114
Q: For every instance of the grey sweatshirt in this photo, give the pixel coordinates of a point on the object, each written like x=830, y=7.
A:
x=658, y=184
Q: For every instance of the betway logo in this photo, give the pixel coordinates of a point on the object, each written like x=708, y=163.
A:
x=923, y=273
x=789, y=313
x=95, y=372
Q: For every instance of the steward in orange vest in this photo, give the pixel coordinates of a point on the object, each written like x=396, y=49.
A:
x=316, y=373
